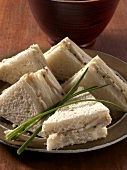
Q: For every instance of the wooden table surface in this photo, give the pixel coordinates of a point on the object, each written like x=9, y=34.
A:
x=18, y=30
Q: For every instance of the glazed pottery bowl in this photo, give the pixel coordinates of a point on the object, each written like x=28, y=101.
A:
x=82, y=21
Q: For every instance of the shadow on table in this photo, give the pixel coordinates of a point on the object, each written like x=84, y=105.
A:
x=112, y=43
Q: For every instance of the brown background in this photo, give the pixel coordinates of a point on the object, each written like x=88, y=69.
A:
x=18, y=30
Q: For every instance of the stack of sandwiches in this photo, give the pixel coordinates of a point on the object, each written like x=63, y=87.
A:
x=77, y=123
x=35, y=87
x=30, y=96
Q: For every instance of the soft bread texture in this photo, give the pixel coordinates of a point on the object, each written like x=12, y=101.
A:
x=27, y=61
x=19, y=103
x=100, y=74
x=65, y=59
x=82, y=115
x=31, y=95
x=79, y=136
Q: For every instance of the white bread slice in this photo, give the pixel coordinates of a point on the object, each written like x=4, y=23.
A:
x=79, y=136
x=28, y=97
x=100, y=74
x=65, y=59
x=82, y=115
x=19, y=103
x=27, y=61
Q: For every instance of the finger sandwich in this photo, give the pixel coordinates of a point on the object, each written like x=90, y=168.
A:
x=77, y=123
x=65, y=59
x=27, y=61
x=99, y=74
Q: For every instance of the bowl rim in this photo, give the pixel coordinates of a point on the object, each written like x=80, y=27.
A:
x=77, y=1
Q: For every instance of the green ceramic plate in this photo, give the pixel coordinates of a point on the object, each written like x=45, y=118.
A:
x=116, y=132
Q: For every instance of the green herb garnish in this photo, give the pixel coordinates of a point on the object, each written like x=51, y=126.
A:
x=24, y=146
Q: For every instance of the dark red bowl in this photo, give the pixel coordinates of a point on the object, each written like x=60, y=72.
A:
x=82, y=21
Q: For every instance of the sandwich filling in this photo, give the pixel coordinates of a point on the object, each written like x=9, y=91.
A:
x=45, y=88
x=79, y=136
x=76, y=51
